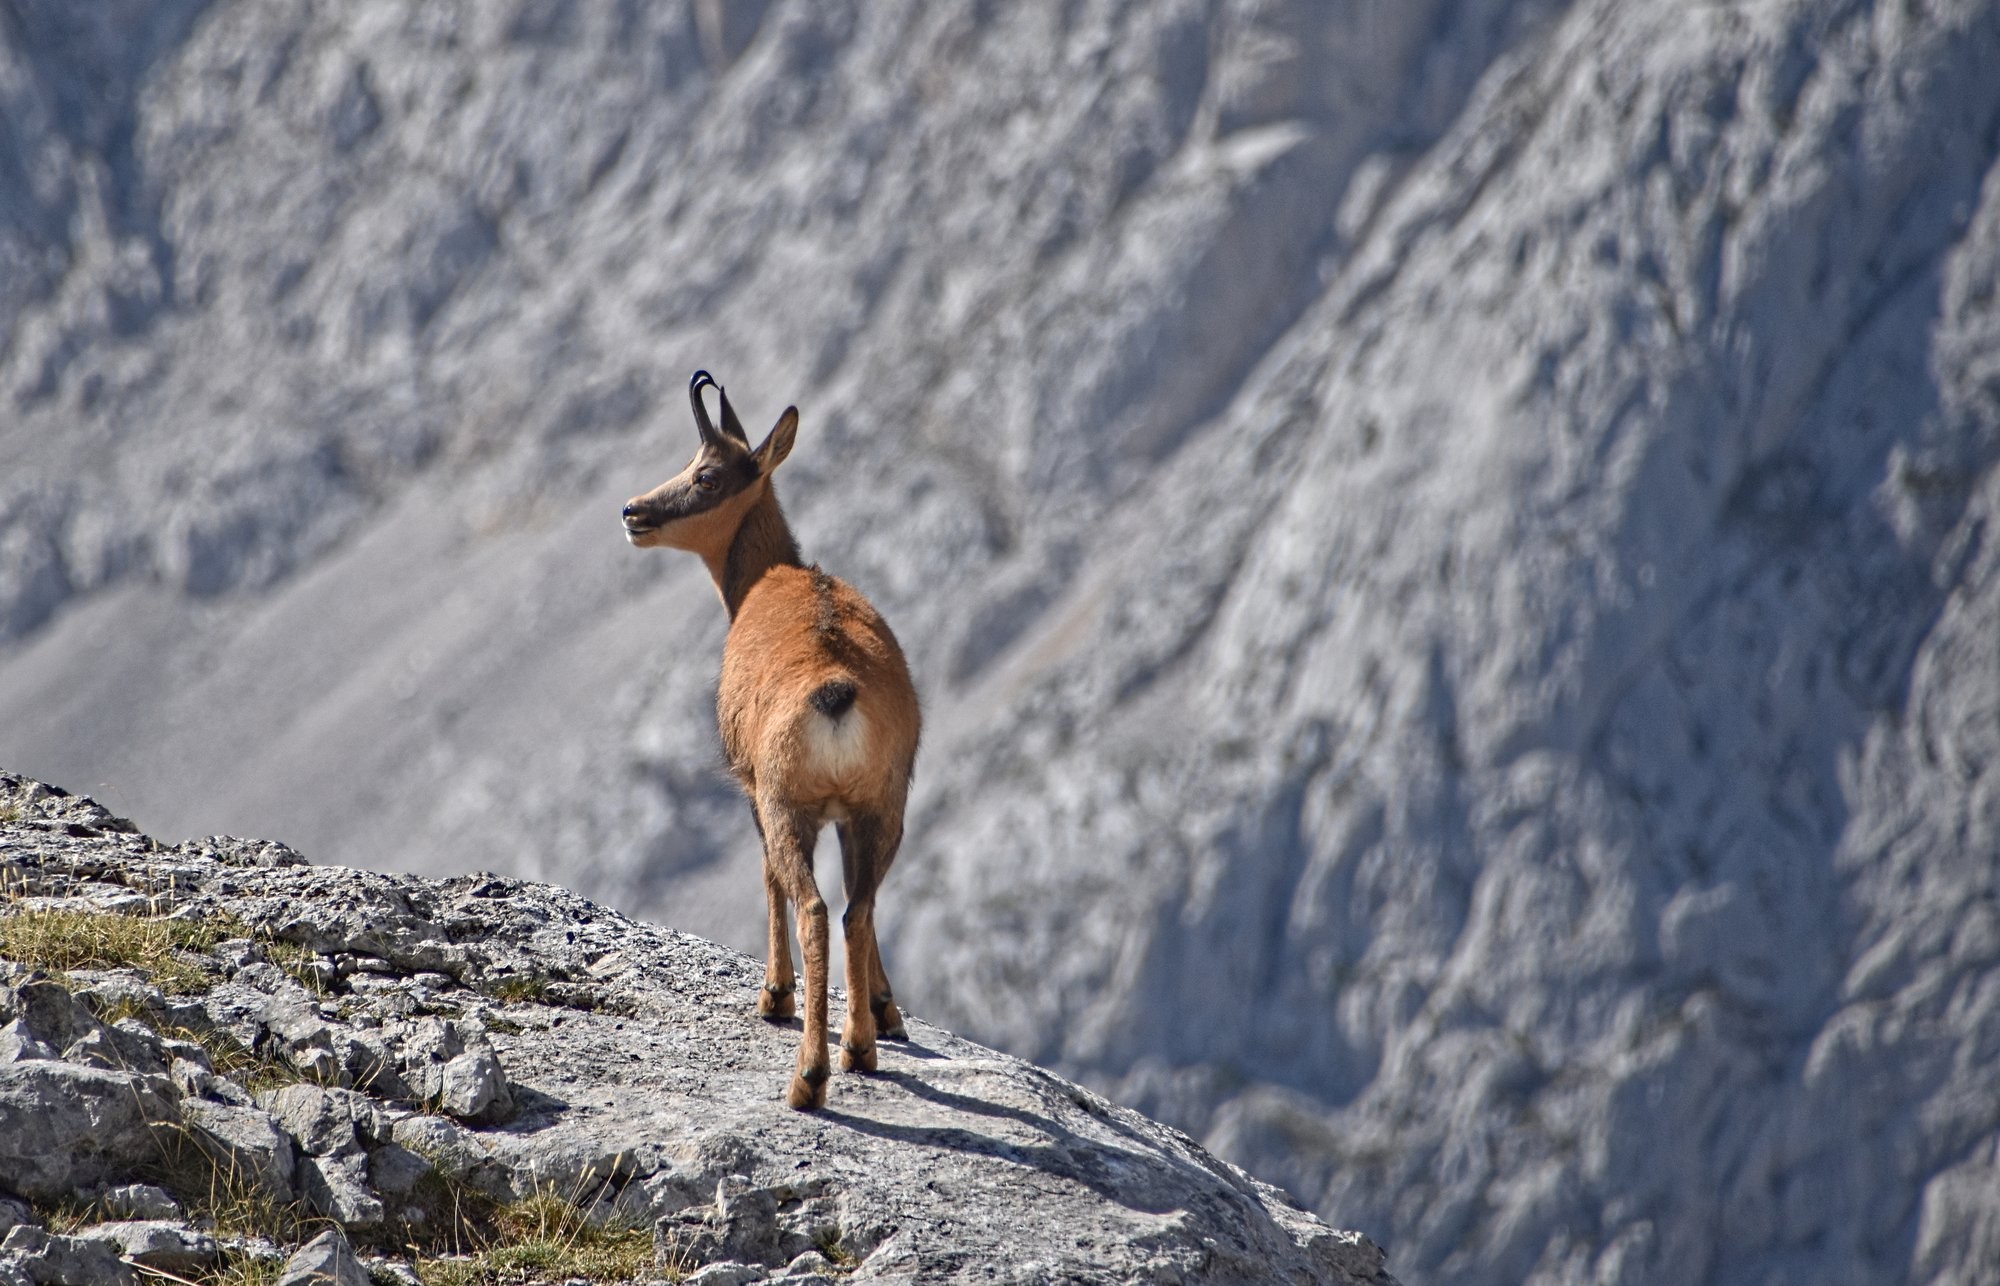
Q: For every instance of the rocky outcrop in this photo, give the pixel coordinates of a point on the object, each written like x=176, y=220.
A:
x=1447, y=544
x=408, y=1060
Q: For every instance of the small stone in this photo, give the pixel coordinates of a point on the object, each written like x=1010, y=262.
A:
x=139, y=1201
x=449, y=1146
x=248, y=1142
x=809, y=1263
x=14, y=1214
x=49, y=1260
x=235, y=953
x=337, y=1187
x=157, y=1243
x=394, y=1169
x=18, y=1044
x=727, y=1274
x=326, y=1122
x=318, y=1065
x=474, y=1088
x=192, y=1079
x=326, y=1260
x=391, y=1272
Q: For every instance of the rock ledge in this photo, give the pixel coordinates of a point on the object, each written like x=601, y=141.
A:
x=368, y=1057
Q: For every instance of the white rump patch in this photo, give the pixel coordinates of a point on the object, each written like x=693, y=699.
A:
x=837, y=747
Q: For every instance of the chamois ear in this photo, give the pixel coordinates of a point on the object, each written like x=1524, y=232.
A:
x=779, y=444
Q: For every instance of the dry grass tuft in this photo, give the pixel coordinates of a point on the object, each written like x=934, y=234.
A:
x=546, y=1238
x=59, y=939
x=831, y=1244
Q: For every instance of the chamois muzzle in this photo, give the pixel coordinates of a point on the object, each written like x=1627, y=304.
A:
x=638, y=520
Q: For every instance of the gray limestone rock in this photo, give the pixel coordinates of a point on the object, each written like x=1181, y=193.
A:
x=65, y=1126
x=763, y=1225
x=139, y=1201
x=652, y=1096
x=393, y=1170
x=453, y=1149
x=49, y=1260
x=473, y=1087
x=337, y=1187
x=390, y=1272
x=18, y=1041
x=726, y=1274
x=810, y=1263
x=454, y=1067
x=327, y=1053
x=326, y=1121
x=248, y=1143
x=157, y=1243
x=326, y=1260
x=45, y=1015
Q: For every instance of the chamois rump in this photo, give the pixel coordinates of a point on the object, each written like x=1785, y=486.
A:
x=818, y=716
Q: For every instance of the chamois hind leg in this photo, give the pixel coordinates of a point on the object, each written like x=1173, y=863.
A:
x=882, y=1001
x=788, y=845
x=775, y=1001
x=881, y=998
x=867, y=846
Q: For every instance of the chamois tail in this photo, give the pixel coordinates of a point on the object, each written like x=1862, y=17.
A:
x=833, y=698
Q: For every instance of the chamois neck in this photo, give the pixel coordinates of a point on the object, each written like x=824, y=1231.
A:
x=763, y=540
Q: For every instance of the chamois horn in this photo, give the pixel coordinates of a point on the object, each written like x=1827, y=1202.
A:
x=701, y=380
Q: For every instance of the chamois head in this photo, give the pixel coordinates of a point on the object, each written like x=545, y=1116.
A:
x=700, y=507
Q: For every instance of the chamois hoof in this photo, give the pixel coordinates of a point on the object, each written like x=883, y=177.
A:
x=855, y=1059
x=889, y=1023
x=775, y=1004
x=808, y=1090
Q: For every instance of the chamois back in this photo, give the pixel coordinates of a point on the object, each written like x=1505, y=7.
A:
x=816, y=699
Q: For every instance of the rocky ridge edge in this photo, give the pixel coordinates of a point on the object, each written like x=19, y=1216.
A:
x=366, y=1057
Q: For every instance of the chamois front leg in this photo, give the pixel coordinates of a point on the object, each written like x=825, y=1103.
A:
x=775, y=1001
x=788, y=840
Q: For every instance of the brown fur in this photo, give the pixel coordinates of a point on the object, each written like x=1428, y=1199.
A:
x=792, y=631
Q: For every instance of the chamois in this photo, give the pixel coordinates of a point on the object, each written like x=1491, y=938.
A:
x=818, y=717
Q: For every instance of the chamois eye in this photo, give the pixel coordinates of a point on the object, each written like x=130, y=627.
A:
x=705, y=480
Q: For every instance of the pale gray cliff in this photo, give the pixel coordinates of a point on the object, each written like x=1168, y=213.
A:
x=410, y=1064
x=1446, y=546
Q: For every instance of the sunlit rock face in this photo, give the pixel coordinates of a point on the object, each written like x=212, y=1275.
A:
x=399, y=1063
x=1447, y=547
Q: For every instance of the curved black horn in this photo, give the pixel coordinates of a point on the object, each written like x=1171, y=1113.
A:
x=702, y=379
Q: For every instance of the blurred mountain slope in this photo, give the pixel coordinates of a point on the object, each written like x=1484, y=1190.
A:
x=1445, y=544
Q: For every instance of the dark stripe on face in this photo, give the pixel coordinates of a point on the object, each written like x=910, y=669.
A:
x=690, y=501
